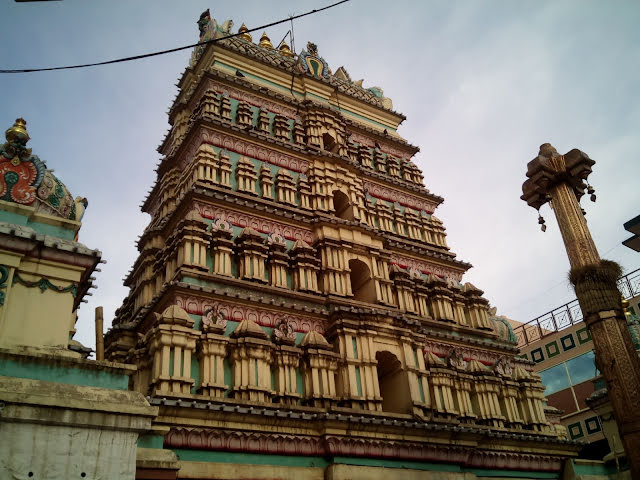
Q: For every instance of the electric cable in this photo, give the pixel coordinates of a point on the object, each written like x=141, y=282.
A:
x=171, y=50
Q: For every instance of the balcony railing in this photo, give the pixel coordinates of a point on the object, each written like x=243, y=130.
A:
x=569, y=313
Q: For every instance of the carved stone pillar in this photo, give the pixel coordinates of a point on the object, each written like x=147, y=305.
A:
x=192, y=241
x=278, y=260
x=404, y=286
x=383, y=282
x=253, y=255
x=477, y=306
x=304, y=192
x=281, y=128
x=212, y=350
x=225, y=170
x=531, y=399
x=298, y=134
x=335, y=273
x=461, y=386
x=305, y=267
x=250, y=363
x=244, y=115
x=264, y=122
x=418, y=379
x=225, y=108
x=285, y=362
x=380, y=161
x=266, y=181
x=222, y=247
x=508, y=393
x=352, y=151
x=206, y=165
x=393, y=167
x=319, y=366
x=485, y=391
x=357, y=375
x=208, y=105
x=441, y=299
x=440, y=237
x=285, y=187
x=171, y=342
x=441, y=384
x=398, y=218
x=364, y=156
x=246, y=176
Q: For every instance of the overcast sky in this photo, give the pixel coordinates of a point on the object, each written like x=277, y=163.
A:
x=482, y=83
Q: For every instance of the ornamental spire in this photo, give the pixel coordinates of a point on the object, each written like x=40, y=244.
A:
x=285, y=51
x=244, y=31
x=265, y=41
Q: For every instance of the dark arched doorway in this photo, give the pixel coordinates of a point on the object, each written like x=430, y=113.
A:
x=394, y=384
x=342, y=205
x=362, y=285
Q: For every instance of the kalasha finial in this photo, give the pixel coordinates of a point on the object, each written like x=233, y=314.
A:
x=244, y=31
x=18, y=132
x=285, y=51
x=265, y=42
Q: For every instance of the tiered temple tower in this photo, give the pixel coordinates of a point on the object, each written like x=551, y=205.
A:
x=295, y=298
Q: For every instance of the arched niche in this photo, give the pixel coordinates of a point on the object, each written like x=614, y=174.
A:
x=394, y=384
x=342, y=205
x=362, y=285
x=329, y=143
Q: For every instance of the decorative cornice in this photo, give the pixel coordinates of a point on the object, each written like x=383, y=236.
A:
x=384, y=146
x=343, y=446
x=405, y=199
x=260, y=224
x=426, y=267
x=237, y=312
x=243, y=147
x=485, y=357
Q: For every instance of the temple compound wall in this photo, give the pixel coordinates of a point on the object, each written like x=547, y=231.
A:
x=295, y=311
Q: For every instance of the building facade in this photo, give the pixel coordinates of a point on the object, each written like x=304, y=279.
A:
x=295, y=311
x=560, y=345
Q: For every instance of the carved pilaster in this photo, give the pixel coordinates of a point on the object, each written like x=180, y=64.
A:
x=278, y=261
x=319, y=366
x=246, y=176
x=305, y=267
x=171, y=343
x=250, y=363
x=253, y=255
x=222, y=247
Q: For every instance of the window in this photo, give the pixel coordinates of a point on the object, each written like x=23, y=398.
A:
x=568, y=383
x=342, y=205
x=582, y=368
x=555, y=379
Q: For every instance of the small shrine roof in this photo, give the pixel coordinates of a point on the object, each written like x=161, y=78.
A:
x=25, y=179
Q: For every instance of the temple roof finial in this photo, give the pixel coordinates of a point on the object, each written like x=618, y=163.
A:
x=245, y=33
x=18, y=132
x=285, y=51
x=265, y=42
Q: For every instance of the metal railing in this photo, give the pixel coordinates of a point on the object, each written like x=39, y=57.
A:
x=569, y=313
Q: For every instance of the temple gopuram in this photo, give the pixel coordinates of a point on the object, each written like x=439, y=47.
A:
x=295, y=311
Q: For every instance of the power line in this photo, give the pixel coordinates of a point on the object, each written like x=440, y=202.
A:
x=164, y=52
